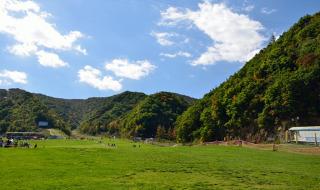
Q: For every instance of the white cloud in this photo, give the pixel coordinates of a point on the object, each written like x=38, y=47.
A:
x=174, y=55
x=235, y=36
x=172, y=16
x=248, y=8
x=8, y=77
x=94, y=78
x=268, y=11
x=50, y=59
x=163, y=38
x=132, y=70
x=24, y=21
x=23, y=49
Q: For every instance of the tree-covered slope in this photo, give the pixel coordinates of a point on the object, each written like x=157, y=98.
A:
x=21, y=111
x=278, y=88
x=73, y=111
x=105, y=116
x=118, y=114
x=155, y=115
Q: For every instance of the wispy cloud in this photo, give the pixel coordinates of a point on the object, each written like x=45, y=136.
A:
x=50, y=59
x=28, y=25
x=8, y=77
x=163, y=38
x=121, y=68
x=93, y=77
x=246, y=6
x=235, y=36
x=178, y=54
x=268, y=11
x=130, y=69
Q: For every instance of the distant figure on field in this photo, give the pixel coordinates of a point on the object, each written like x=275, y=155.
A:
x=35, y=146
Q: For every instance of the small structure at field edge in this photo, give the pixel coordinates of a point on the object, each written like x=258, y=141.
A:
x=43, y=124
x=308, y=134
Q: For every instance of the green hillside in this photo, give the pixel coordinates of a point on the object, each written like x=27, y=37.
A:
x=278, y=88
x=21, y=111
x=105, y=117
x=155, y=116
x=136, y=114
x=77, y=111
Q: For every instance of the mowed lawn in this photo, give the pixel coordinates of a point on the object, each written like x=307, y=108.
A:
x=82, y=164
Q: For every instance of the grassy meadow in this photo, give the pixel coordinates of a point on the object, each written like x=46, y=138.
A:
x=90, y=164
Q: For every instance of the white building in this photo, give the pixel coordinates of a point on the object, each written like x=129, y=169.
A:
x=310, y=134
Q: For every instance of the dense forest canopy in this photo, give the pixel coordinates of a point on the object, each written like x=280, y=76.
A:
x=155, y=116
x=105, y=118
x=21, y=111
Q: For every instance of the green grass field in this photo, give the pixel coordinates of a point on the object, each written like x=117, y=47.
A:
x=80, y=164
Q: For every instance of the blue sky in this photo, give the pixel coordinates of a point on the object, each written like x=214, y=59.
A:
x=81, y=48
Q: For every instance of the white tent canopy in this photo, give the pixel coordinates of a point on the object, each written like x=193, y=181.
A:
x=306, y=134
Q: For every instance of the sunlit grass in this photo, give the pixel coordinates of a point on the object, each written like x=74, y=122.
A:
x=90, y=164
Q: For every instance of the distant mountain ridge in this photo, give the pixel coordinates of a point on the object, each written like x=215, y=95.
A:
x=93, y=115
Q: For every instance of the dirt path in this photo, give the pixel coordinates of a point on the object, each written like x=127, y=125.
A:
x=295, y=148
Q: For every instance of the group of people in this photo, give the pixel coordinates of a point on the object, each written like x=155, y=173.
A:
x=8, y=143
x=134, y=146
x=15, y=143
x=112, y=145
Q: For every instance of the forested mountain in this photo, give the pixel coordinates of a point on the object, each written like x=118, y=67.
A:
x=278, y=88
x=21, y=111
x=93, y=115
x=74, y=111
x=155, y=115
x=104, y=117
